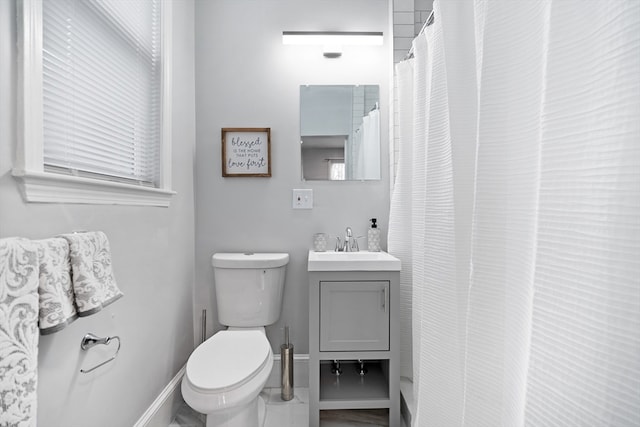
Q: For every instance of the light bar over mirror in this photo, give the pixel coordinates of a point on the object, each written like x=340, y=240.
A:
x=332, y=41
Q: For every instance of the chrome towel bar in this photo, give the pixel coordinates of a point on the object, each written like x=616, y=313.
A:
x=90, y=340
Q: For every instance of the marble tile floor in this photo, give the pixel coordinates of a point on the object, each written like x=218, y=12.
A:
x=294, y=413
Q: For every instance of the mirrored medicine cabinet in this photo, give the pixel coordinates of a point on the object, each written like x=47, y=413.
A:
x=340, y=132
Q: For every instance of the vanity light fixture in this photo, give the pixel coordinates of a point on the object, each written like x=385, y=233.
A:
x=332, y=41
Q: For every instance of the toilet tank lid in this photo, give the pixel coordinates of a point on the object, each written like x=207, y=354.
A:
x=249, y=260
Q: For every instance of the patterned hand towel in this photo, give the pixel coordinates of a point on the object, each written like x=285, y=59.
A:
x=57, y=308
x=18, y=332
x=91, y=274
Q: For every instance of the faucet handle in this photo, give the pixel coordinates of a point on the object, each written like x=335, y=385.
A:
x=354, y=243
x=338, y=245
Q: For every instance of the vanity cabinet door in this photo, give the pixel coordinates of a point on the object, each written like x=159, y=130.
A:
x=354, y=316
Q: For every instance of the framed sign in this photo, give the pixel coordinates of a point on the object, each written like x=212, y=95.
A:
x=246, y=152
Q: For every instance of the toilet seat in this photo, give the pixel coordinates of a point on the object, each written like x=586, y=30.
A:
x=227, y=360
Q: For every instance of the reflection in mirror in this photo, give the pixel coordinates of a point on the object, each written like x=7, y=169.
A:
x=340, y=132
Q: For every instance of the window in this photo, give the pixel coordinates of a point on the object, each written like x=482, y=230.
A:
x=95, y=87
x=336, y=170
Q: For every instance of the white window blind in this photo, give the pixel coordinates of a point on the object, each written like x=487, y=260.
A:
x=102, y=89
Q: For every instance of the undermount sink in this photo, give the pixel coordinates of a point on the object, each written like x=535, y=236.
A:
x=352, y=261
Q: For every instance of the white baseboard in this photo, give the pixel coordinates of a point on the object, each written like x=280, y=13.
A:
x=162, y=410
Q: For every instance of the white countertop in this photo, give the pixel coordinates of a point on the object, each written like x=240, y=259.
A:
x=352, y=261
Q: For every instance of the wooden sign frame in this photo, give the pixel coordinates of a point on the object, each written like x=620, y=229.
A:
x=246, y=152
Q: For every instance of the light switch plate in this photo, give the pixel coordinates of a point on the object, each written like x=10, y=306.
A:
x=302, y=198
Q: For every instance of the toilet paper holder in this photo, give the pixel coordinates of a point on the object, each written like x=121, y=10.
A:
x=90, y=340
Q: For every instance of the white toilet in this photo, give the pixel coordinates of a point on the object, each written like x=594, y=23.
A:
x=226, y=373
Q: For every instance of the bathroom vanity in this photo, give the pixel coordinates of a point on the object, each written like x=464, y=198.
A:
x=353, y=333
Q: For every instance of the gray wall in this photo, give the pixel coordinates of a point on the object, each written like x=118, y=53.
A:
x=153, y=259
x=247, y=78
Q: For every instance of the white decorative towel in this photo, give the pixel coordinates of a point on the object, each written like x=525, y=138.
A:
x=91, y=274
x=57, y=308
x=18, y=332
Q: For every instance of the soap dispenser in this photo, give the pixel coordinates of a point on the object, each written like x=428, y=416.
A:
x=373, y=237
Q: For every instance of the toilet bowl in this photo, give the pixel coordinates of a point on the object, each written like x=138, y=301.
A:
x=225, y=375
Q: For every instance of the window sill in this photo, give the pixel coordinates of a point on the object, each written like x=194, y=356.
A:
x=44, y=187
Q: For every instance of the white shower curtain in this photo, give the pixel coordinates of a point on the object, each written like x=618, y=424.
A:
x=364, y=158
x=400, y=235
x=371, y=145
x=516, y=213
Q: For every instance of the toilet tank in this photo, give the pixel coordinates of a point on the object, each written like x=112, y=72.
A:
x=249, y=287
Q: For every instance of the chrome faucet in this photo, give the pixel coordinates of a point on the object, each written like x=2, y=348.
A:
x=350, y=243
